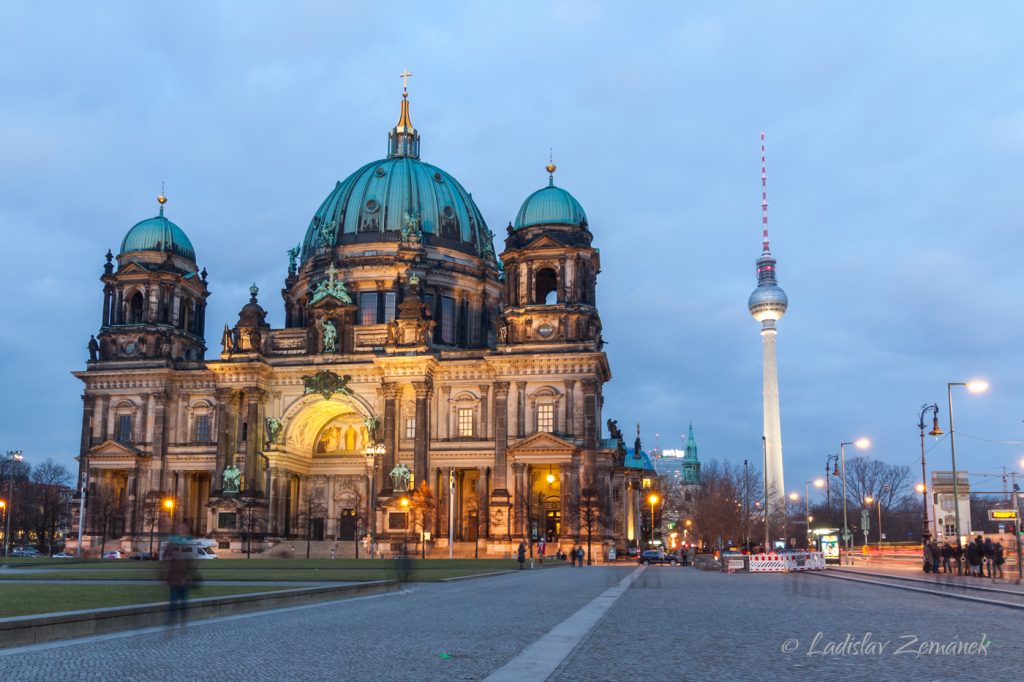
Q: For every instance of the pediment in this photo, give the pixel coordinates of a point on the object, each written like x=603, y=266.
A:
x=543, y=241
x=112, y=448
x=132, y=267
x=542, y=442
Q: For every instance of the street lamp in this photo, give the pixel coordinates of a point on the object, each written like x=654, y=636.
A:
x=861, y=443
x=818, y=483
x=653, y=499
x=404, y=503
x=15, y=456
x=372, y=452
x=976, y=386
x=923, y=488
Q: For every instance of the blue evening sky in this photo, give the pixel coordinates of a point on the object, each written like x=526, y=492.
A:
x=895, y=144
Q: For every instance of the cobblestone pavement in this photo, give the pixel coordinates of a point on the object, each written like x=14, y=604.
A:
x=672, y=624
x=688, y=625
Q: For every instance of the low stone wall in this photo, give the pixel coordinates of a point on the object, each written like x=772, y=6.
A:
x=23, y=630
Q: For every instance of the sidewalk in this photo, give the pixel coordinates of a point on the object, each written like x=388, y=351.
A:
x=1008, y=582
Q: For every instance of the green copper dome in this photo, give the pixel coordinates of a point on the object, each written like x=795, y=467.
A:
x=158, y=234
x=551, y=206
x=400, y=198
x=379, y=200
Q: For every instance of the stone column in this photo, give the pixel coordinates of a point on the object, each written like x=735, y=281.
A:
x=391, y=392
x=569, y=425
x=225, y=435
x=104, y=418
x=444, y=416
x=160, y=437
x=529, y=284
x=500, y=437
x=520, y=408
x=481, y=502
x=589, y=428
x=561, y=281
x=254, y=439
x=564, y=505
x=423, y=391
x=88, y=405
x=485, y=391
x=521, y=522
x=574, y=495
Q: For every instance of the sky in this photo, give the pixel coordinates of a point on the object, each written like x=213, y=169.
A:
x=895, y=133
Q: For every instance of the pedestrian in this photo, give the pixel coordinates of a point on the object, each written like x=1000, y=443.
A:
x=541, y=546
x=936, y=555
x=958, y=554
x=989, y=552
x=981, y=555
x=580, y=553
x=180, y=575
x=946, y=553
x=973, y=559
x=999, y=559
x=926, y=552
x=521, y=555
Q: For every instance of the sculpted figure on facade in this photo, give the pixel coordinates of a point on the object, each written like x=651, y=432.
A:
x=330, y=336
x=232, y=479
x=94, y=348
x=274, y=426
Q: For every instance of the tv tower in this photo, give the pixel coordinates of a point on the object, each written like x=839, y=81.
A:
x=767, y=305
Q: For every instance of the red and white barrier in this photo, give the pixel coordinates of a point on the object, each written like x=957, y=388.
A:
x=782, y=563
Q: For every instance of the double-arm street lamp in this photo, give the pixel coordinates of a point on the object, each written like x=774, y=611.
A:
x=923, y=487
x=976, y=386
x=12, y=457
x=861, y=443
x=373, y=452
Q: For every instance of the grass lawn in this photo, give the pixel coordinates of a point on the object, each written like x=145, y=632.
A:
x=326, y=570
x=23, y=599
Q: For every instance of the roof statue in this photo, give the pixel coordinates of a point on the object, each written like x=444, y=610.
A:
x=330, y=287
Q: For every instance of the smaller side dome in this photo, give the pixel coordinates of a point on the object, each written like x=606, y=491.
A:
x=550, y=205
x=158, y=234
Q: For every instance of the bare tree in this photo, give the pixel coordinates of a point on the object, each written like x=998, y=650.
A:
x=104, y=507
x=888, y=485
x=311, y=507
x=421, y=510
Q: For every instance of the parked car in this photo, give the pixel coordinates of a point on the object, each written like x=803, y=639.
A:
x=197, y=548
x=143, y=556
x=25, y=552
x=63, y=555
x=111, y=554
x=656, y=556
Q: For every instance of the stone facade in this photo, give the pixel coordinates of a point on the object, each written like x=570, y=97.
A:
x=408, y=348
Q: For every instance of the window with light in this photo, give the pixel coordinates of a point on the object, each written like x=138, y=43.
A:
x=546, y=418
x=466, y=420
x=410, y=428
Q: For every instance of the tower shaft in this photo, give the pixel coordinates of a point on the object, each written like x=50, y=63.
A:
x=772, y=423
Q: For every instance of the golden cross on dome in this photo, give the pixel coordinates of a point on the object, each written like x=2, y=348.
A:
x=405, y=80
x=331, y=272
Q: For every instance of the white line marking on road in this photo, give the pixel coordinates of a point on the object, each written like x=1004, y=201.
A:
x=539, y=660
x=42, y=646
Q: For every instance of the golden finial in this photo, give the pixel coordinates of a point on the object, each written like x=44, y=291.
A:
x=405, y=81
x=551, y=168
x=161, y=199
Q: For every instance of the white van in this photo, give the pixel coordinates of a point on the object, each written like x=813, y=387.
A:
x=197, y=548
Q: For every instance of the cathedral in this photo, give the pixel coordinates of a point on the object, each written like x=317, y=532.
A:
x=422, y=387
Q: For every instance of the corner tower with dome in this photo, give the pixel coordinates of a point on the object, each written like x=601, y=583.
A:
x=421, y=386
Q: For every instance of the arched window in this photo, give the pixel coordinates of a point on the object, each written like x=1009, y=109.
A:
x=135, y=305
x=546, y=287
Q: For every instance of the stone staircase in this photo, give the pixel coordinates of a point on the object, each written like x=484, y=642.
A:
x=318, y=549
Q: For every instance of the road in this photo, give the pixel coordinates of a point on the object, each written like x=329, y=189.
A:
x=669, y=623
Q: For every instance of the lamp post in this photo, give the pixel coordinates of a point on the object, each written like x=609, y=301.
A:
x=15, y=456
x=818, y=483
x=653, y=499
x=861, y=443
x=404, y=503
x=936, y=431
x=976, y=386
x=793, y=497
x=830, y=461
x=372, y=452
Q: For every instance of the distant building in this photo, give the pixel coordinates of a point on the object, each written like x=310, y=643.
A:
x=941, y=511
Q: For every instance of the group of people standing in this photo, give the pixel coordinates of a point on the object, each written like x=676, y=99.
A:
x=576, y=554
x=980, y=558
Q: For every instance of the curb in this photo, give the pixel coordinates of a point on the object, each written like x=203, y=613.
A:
x=35, y=629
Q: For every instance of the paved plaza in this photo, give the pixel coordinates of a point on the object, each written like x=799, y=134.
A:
x=669, y=623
